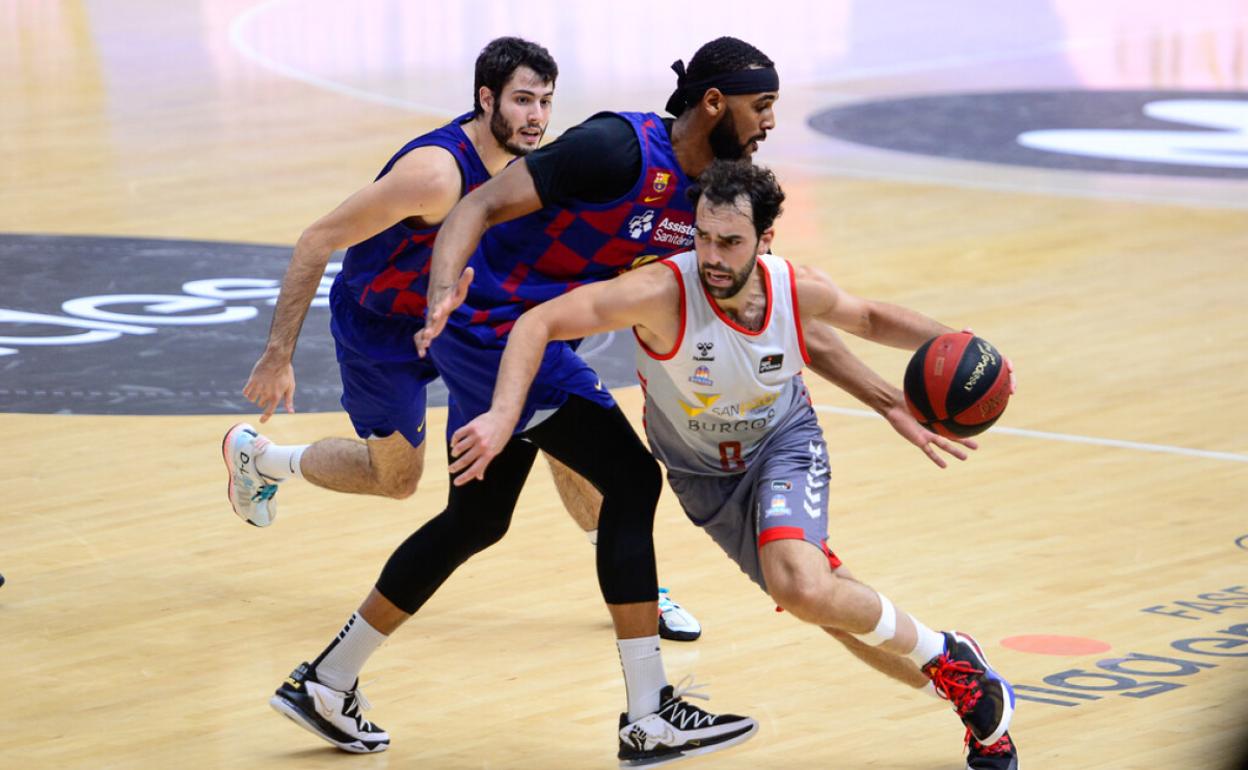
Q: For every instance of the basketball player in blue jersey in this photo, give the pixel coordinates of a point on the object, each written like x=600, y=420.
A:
x=604, y=196
x=377, y=303
x=720, y=347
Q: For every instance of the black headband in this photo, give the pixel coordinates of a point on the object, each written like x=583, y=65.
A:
x=749, y=81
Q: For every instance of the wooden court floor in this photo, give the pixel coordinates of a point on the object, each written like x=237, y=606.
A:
x=142, y=626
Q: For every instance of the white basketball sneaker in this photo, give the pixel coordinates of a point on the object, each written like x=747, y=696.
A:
x=676, y=623
x=329, y=714
x=679, y=730
x=250, y=491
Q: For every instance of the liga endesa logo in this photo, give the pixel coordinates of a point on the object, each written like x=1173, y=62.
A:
x=143, y=326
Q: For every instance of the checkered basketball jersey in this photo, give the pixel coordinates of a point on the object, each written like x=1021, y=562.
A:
x=389, y=273
x=542, y=255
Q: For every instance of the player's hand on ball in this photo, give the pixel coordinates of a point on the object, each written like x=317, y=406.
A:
x=909, y=428
x=476, y=444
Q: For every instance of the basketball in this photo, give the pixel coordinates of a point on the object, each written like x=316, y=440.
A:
x=957, y=385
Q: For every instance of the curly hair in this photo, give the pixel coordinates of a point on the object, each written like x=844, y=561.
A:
x=726, y=181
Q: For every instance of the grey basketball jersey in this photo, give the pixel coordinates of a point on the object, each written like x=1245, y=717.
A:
x=712, y=399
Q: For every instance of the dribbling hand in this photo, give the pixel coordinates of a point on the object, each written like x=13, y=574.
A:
x=909, y=428
x=474, y=445
x=441, y=302
x=269, y=385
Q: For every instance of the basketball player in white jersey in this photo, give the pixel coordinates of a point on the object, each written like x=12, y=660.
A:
x=720, y=350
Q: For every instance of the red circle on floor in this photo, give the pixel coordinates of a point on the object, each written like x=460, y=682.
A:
x=1055, y=645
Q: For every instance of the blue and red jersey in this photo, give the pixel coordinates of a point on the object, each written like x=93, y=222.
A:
x=542, y=255
x=388, y=274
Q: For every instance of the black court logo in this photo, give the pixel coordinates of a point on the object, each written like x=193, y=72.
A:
x=1177, y=133
x=770, y=363
x=140, y=326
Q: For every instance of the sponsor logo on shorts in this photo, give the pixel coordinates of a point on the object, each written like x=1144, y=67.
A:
x=781, y=485
x=770, y=363
x=779, y=507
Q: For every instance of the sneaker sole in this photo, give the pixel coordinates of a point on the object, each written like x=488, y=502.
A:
x=667, y=759
x=296, y=715
x=1007, y=705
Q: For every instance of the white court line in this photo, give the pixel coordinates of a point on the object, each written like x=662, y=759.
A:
x=1072, y=439
x=248, y=51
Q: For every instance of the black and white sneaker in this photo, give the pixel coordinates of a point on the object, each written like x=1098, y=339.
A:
x=329, y=714
x=679, y=730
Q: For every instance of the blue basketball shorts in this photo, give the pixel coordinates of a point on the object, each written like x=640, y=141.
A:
x=384, y=381
x=469, y=369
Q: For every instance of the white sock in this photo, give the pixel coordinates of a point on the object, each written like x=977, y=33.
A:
x=281, y=461
x=929, y=644
x=592, y=534
x=340, y=664
x=644, y=677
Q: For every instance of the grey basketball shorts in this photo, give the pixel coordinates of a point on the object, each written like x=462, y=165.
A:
x=783, y=495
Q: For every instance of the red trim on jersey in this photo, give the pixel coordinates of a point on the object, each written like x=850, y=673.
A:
x=797, y=313
x=733, y=324
x=679, y=337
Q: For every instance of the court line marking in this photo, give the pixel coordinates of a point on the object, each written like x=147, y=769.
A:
x=243, y=21
x=1073, y=439
x=244, y=47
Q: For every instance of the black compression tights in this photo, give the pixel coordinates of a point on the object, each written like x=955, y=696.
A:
x=597, y=443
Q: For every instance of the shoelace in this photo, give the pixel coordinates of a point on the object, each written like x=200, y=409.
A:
x=953, y=680
x=355, y=703
x=682, y=689
x=1003, y=746
x=684, y=714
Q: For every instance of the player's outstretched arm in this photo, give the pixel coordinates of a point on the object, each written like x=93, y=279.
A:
x=647, y=299
x=880, y=322
x=425, y=183
x=832, y=360
x=510, y=194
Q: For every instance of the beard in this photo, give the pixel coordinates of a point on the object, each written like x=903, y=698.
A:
x=738, y=280
x=724, y=142
x=504, y=133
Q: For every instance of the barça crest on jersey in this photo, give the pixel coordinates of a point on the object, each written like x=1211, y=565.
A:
x=702, y=376
x=658, y=188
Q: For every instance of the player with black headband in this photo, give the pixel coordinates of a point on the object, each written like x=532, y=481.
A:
x=607, y=195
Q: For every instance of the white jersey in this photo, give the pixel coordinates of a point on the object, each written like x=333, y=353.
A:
x=721, y=391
